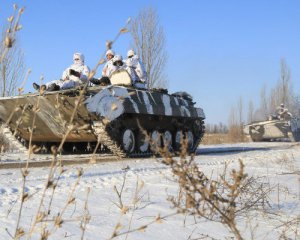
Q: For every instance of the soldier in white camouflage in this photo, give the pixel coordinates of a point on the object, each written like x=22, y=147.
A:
x=136, y=69
x=283, y=113
x=72, y=77
x=107, y=70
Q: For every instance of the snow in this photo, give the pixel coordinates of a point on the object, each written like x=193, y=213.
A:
x=278, y=162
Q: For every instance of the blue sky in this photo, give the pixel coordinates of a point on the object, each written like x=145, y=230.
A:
x=218, y=51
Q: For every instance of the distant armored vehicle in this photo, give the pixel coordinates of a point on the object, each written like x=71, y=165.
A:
x=118, y=116
x=274, y=130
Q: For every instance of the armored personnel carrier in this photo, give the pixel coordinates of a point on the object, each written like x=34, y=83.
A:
x=125, y=120
x=274, y=130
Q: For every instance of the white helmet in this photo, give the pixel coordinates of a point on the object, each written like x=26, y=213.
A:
x=117, y=58
x=109, y=52
x=130, y=53
x=79, y=56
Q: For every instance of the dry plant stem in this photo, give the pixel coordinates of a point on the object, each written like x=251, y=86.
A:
x=204, y=197
x=11, y=32
x=135, y=201
x=52, y=168
x=17, y=108
x=143, y=227
x=50, y=176
x=24, y=175
x=59, y=218
x=120, y=205
x=136, y=192
x=21, y=88
x=32, y=128
x=23, y=198
x=53, y=189
x=86, y=216
x=3, y=54
x=25, y=172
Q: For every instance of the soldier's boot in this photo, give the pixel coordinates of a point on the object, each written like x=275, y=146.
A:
x=95, y=81
x=103, y=81
x=36, y=86
x=53, y=87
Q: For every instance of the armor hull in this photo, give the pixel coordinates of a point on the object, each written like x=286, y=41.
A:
x=274, y=130
x=123, y=119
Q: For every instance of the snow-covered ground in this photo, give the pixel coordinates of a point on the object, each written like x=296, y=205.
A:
x=277, y=163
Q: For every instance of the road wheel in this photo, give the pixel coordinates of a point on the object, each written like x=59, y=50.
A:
x=128, y=141
x=156, y=141
x=178, y=140
x=142, y=142
x=191, y=141
x=167, y=139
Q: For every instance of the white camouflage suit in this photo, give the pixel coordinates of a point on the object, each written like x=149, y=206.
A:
x=136, y=69
x=70, y=81
x=108, y=68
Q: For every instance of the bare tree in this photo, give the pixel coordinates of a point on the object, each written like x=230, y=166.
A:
x=283, y=91
x=263, y=103
x=240, y=111
x=149, y=42
x=296, y=106
x=250, y=112
x=284, y=85
x=12, y=67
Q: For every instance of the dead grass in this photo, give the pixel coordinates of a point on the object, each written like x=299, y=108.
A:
x=219, y=138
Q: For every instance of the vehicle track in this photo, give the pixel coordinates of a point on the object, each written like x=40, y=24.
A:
x=10, y=139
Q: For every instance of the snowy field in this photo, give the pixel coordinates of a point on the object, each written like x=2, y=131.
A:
x=96, y=210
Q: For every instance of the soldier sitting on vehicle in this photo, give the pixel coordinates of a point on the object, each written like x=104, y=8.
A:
x=283, y=113
x=115, y=63
x=136, y=69
x=107, y=69
x=72, y=77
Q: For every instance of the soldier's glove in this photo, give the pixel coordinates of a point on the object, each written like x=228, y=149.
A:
x=74, y=73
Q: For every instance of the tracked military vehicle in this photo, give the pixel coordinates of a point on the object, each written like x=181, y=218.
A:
x=125, y=120
x=274, y=130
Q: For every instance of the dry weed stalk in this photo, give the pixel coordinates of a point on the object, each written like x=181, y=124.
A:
x=120, y=204
x=218, y=200
x=131, y=207
x=41, y=216
x=25, y=171
x=13, y=27
x=157, y=220
x=86, y=217
x=136, y=199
